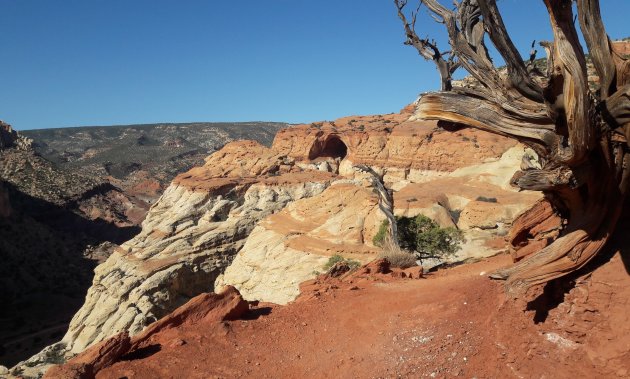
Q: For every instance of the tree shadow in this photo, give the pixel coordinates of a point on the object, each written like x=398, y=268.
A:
x=256, y=313
x=142, y=353
x=553, y=295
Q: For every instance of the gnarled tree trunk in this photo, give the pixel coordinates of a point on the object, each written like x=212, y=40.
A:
x=580, y=135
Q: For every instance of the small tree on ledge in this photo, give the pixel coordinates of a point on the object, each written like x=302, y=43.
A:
x=423, y=237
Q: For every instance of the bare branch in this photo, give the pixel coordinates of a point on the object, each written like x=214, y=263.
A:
x=427, y=49
x=485, y=115
x=567, y=92
x=532, y=53
x=517, y=72
x=469, y=46
x=598, y=44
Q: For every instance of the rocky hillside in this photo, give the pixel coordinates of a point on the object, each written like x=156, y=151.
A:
x=67, y=198
x=142, y=159
x=51, y=222
x=265, y=219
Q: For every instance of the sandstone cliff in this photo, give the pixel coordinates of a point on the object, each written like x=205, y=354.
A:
x=188, y=238
x=457, y=177
x=270, y=218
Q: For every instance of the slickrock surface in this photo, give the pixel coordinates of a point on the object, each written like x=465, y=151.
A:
x=290, y=246
x=187, y=240
x=455, y=322
x=270, y=218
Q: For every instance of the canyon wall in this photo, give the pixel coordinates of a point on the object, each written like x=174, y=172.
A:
x=265, y=219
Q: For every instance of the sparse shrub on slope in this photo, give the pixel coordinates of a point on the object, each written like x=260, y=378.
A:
x=423, y=236
x=396, y=256
x=338, y=258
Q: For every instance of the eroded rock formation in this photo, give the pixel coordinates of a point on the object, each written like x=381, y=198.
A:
x=425, y=165
x=271, y=218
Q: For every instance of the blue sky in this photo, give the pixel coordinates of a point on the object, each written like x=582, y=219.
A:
x=103, y=62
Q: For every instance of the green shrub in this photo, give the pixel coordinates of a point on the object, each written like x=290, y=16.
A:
x=338, y=258
x=423, y=236
x=379, y=237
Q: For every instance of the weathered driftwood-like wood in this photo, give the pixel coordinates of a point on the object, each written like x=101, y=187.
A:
x=580, y=136
x=598, y=44
x=428, y=49
x=385, y=204
x=534, y=229
x=518, y=75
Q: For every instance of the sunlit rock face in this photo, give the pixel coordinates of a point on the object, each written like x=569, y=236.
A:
x=265, y=219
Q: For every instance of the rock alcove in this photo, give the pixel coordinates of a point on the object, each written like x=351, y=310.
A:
x=332, y=147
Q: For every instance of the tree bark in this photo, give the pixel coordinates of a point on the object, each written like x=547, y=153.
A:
x=385, y=203
x=580, y=136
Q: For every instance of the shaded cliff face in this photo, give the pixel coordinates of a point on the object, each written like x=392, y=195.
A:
x=264, y=219
x=50, y=221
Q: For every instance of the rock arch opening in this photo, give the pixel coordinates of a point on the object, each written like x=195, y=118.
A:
x=333, y=147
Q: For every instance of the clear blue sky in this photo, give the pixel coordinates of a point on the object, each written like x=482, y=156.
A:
x=103, y=62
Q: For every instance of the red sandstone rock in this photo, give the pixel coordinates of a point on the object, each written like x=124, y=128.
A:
x=91, y=361
x=455, y=323
x=393, y=141
x=70, y=371
x=379, y=266
x=414, y=272
x=207, y=309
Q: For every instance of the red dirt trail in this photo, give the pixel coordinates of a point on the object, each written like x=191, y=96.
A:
x=453, y=323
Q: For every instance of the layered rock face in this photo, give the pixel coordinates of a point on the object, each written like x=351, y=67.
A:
x=265, y=219
x=459, y=178
x=291, y=246
x=188, y=238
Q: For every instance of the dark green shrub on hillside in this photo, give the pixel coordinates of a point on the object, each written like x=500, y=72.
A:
x=423, y=236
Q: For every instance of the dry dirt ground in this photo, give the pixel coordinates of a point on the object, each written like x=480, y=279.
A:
x=452, y=323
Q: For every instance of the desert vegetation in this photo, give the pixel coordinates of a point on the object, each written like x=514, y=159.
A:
x=396, y=256
x=332, y=261
x=421, y=236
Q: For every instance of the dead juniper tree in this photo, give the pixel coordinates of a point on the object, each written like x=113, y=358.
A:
x=385, y=204
x=580, y=135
